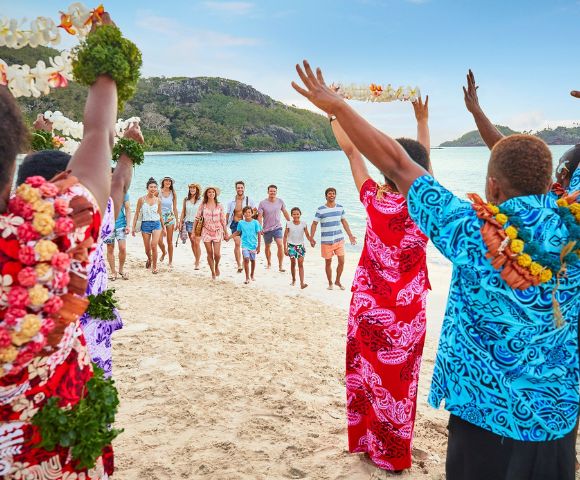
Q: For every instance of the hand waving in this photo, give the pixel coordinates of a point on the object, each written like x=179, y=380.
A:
x=470, y=94
x=575, y=93
x=134, y=133
x=41, y=123
x=316, y=89
x=421, y=109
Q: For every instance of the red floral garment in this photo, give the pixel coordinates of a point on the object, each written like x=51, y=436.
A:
x=386, y=332
x=64, y=373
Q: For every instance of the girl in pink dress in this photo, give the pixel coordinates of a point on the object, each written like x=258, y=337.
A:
x=386, y=324
x=214, y=227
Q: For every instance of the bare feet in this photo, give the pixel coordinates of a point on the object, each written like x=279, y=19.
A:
x=293, y=283
x=196, y=266
x=162, y=256
x=330, y=286
x=246, y=281
x=339, y=285
x=217, y=271
x=268, y=266
x=148, y=264
x=155, y=271
x=281, y=270
x=253, y=279
x=303, y=286
x=240, y=269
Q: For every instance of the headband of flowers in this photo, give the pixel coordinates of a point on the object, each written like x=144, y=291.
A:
x=43, y=269
x=377, y=93
x=26, y=81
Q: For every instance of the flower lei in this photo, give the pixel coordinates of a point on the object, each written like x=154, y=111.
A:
x=70, y=133
x=131, y=148
x=39, y=283
x=378, y=93
x=524, y=262
x=26, y=81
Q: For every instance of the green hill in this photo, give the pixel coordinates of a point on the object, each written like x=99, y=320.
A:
x=197, y=114
x=552, y=136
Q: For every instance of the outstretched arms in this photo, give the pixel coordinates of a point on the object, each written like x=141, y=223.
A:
x=490, y=134
x=359, y=170
x=380, y=149
x=422, y=115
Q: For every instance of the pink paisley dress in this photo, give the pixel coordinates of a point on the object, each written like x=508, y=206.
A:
x=386, y=332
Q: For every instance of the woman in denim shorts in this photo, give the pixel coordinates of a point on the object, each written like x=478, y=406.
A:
x=149, y=211
x=188, y=212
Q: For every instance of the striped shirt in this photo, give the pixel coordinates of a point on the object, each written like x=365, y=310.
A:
x=330, y=223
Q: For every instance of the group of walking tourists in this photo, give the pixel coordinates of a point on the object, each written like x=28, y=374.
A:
x=507, y=366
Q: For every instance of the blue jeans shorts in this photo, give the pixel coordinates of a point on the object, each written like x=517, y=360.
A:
x=150, y=226
x=118, y=235
x=271, y=235
x=189, y=227
x=249, y=254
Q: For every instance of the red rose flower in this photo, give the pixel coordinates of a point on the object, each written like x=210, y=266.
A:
x=52, y=305
x=61, y=206
x=27, y=255
x=49, y=190
x=13, y=315
x=63, y=226
x=27, y=277
x=19, y=207
x=47, y=326
x=35, y=181
x=18, y=297
x=60, y=281
x=4, y=338
x=27, y=233
x=60, y=261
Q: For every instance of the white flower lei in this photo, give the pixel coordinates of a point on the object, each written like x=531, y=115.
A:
x=73, y=131
x=26, y=81
x=378, y=93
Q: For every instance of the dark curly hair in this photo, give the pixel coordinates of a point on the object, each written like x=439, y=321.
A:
x=568, y=163
x=14, y=137
x=522, y=164
x=418, y=154
x=45, y=163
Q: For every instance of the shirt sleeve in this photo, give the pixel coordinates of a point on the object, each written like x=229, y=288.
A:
x=260, y=209
x=258, y=226
x=368, y=191
x=317, y=216
x=450, y=223
x=239, y=226
x=575, y=180
x=283, y=207
x=342, y=214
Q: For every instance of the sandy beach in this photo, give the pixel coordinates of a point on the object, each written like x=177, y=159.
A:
x=225, y=381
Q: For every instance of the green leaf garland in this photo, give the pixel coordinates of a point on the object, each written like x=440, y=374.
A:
x=86, y=427
x=131, y=148
x=41, y=140
x=106, y=52
x=102, y=306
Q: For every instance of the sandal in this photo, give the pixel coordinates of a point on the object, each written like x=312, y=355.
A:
x=113, y=277
x=148, y=264
x=124, y=276
x=155, y=272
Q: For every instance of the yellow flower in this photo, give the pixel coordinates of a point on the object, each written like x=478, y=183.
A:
x=546, y=275
x=30, y=325
x=511, y=232
x=517, y=246
x=535, y=268
x=42, y=206
x=561, y=202
x=524, y=260
x=43, y=223
x=501, y=218
x=8, y=355
x=19, y=338
x=43, y=271
x=575, y=208
x=493, y=208
x=577, y=217
x=38, y=295
x=45, y=249
x=28, y=193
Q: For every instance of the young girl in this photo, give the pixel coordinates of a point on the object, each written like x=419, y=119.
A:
x=214, y=227
x=190, y=205
x=294, y=248
x=149, y=207
x=169, y=214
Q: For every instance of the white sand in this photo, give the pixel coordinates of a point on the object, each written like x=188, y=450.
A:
x=225, y=381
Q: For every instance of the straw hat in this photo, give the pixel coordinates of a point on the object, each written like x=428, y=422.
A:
x=196, y=185
x=211, y=187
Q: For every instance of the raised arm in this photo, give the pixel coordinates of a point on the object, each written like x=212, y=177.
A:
x=123, y=173
x=91, y=163
x=575, y=93
x=422, y=116
x=380, y=149
x=358, y=168
x=489, y=133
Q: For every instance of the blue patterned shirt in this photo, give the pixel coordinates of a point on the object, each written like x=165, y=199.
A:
x=501, y=364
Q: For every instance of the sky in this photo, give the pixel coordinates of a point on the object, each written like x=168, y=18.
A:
x=524, y=53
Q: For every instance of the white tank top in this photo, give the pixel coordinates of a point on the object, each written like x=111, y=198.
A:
x=150, y=212
x=190, y=211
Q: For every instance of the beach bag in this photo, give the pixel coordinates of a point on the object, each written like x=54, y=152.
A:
x=254, y=210
x=198, y=227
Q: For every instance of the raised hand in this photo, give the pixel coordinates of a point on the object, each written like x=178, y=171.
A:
x=575, y=93
x=41, y=123
x=421, y=109
x=134, y=133
x=470, y=94
x=316, y=89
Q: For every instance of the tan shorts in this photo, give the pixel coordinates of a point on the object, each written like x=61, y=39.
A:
x=327, y=251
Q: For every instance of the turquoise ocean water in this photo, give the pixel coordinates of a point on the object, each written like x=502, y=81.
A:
x=302, y=177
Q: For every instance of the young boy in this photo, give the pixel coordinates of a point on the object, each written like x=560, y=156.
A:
x=294, y=242
x=249, y=230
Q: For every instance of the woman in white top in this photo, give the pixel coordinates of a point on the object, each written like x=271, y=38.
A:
x=294, y=242
x=188, y=212
x=149, y=210
x=169, y=216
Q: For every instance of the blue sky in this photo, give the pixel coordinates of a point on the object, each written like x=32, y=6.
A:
x=524, y=53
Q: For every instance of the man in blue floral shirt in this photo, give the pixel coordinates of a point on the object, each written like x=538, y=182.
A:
x=507, y=365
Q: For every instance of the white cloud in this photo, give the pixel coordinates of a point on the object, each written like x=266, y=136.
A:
x=536, y=120
x=234, y=8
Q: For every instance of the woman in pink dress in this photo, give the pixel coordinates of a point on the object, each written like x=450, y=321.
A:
x=386, y=324
x=214, y=227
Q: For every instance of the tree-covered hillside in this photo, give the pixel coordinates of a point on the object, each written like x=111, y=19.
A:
x=202, y=113
x=552, y=136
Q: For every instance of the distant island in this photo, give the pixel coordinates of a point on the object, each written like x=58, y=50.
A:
x=552, y=136
x=194, y=114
